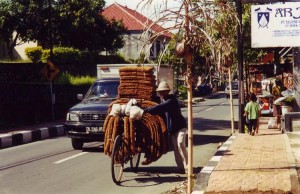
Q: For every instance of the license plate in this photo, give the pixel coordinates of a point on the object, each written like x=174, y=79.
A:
x=93, y=129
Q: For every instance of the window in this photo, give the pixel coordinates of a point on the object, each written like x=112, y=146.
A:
x=103, y=89
x=157, y=48
x=152, y=51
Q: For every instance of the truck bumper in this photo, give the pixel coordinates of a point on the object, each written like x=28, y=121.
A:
x=80, y=132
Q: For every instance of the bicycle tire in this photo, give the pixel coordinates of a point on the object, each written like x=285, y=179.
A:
x=135, y=161
x=117, y=161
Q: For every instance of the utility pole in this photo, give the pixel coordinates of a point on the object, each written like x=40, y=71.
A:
x=52, y=92
x=50, y=29
x=240, y=67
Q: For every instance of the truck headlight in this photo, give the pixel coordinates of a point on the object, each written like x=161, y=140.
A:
x=72, y=117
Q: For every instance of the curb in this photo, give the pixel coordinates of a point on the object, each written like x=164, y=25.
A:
x=295, y=187
x=23, y=137
x=203, y=176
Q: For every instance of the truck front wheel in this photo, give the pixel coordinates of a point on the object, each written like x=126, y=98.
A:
x=77, y=144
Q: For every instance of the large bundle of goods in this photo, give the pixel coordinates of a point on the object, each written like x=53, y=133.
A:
x=137, y=82
x=147, y=133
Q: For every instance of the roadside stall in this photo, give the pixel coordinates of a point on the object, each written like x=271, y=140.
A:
x=265, y=102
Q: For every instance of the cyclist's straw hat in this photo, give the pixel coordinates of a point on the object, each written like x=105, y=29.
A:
x=163, y=86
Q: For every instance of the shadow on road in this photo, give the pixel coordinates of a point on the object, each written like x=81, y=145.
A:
x=159, y=170
x=150, y=176
x=207, y=139
x=210, y=124
x=94, y=147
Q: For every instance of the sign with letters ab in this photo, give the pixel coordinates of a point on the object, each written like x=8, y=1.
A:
x=275, y=25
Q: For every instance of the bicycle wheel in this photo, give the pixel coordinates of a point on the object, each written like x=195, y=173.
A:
x=135, y=161
x=117, y=162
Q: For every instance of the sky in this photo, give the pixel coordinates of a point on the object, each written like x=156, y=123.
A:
x=132, y=4
x=149, y=10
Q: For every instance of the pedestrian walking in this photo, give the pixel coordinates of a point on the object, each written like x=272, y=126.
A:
x=176, y=123
x=252, y=113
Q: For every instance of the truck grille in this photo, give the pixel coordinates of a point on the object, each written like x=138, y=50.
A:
x=93, y=117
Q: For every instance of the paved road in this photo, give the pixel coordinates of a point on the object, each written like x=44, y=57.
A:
x=52, y=166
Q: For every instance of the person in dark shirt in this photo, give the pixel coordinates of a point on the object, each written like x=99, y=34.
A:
x=176, y=123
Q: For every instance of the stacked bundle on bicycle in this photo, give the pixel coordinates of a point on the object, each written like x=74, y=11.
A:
x=137, y=82
x=141, y=133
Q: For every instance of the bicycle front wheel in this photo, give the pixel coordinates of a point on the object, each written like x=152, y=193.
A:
x=117, y=160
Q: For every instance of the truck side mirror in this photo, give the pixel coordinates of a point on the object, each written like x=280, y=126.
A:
x=79, y=96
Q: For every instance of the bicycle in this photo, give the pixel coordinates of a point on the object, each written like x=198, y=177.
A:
x=119, y=158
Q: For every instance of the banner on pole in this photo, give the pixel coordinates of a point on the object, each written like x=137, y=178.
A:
x=275, y=25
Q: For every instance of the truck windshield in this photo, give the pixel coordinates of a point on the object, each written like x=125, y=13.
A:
x=234, y=85
x=103, y=90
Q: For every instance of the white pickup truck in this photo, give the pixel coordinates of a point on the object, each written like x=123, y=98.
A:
x=235, y=89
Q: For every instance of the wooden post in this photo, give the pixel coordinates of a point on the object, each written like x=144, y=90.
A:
x=188, y=56
x=190, y=123
x=231, y=100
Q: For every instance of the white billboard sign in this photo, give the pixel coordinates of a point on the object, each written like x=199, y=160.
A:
x=275, y=25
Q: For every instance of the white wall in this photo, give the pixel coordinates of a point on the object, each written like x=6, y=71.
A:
x=19, y=51
x=135, y=43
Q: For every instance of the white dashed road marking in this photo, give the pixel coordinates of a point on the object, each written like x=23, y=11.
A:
x=208, y=109
x=69, y=158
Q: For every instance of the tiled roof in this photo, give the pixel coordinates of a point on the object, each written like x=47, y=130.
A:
x=132, y=20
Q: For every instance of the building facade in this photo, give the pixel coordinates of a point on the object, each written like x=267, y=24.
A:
x=139, y=31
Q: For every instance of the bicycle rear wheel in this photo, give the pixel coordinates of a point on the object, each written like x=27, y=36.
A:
x=117, y=161
x=135, y=161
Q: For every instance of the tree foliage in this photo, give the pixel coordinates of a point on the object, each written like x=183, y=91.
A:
x=250, y=54
x=15, y=23
x=211, y=31
x=72, y=23
x=86, y=27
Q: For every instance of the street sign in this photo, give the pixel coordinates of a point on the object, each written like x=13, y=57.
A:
x=50, y=71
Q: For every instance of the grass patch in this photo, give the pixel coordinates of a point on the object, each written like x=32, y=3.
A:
x=68, y=79
x=15, y=61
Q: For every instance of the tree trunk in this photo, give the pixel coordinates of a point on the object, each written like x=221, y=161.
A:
x=10, y=45
x=10, y=52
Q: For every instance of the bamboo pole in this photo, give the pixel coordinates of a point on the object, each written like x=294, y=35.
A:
x=188, y=56
x=190, y=126
x=231, y=100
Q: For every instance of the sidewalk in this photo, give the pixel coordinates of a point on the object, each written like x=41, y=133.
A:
x=264, y=163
